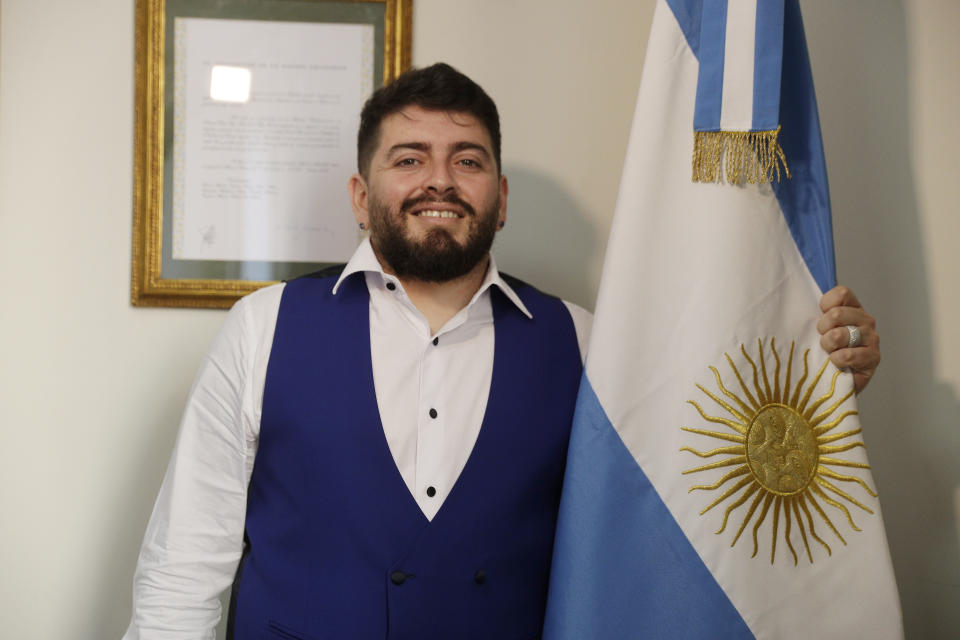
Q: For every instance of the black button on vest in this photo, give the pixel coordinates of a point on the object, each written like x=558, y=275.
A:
x=398, y=577
x=480, y=576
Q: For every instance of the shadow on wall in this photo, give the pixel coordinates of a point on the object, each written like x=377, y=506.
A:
x=548, y=240
x=859, y=53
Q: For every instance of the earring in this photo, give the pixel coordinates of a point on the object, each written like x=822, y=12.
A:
x=362, y=227
x=501, y=225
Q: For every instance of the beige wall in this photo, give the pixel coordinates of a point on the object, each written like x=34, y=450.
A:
x=91, y=389
x=888, y=88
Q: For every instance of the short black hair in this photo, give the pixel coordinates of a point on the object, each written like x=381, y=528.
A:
x=438, y=87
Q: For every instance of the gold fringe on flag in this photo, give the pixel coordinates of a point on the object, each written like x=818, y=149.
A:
x=751, y=156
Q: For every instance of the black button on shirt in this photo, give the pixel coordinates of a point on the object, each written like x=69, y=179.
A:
x=433, y=413
x=391, y=286
x=436, y=341
x=431, y=492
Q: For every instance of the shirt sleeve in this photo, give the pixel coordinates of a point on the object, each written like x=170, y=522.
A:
x=194, y=538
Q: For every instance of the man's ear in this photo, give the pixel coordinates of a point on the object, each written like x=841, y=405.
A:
x=502, y=213
x=359, y=200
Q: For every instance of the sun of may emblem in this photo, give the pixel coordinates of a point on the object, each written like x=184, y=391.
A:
x=782, y=453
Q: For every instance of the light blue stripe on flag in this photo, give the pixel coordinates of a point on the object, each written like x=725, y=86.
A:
x=768, y=53
x=804, y=199
x=615, y=530
x=713, y=33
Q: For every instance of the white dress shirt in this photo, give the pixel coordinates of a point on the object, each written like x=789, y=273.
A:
x=431, y=392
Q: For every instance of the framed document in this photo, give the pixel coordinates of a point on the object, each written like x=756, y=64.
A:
x=246, y=121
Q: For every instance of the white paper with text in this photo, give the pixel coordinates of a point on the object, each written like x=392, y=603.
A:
x=265, y=123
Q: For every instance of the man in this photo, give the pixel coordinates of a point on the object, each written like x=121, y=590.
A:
x=386, y=443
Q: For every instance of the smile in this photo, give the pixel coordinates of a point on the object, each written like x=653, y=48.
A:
x=433, y=213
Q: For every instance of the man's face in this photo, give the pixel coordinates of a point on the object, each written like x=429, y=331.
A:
x=432, y=198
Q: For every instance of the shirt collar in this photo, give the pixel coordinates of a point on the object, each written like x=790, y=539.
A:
x=365, y=260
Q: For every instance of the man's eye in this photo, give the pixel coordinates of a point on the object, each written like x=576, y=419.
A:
x=469, y=162
x=406, y=162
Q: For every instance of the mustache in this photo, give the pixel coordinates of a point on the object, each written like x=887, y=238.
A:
x=450, y=198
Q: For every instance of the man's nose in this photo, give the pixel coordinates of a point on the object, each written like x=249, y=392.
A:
x=440, y=179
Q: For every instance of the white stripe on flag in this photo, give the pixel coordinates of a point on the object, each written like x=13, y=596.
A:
x=736, y=111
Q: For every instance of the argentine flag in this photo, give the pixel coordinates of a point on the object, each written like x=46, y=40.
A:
x=717, y=483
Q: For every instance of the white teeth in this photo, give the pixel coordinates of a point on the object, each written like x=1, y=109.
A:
x=437, y=214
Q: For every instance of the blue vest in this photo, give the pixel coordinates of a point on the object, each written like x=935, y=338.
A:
x=336, y=544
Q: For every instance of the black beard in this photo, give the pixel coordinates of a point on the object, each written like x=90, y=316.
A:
x=437, y=257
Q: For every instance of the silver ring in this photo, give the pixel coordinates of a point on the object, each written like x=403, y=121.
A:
x=854, y=339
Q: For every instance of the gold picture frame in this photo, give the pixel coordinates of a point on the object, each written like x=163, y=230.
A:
x=158, y=279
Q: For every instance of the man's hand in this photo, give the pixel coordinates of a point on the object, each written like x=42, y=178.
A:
x=841, y=308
